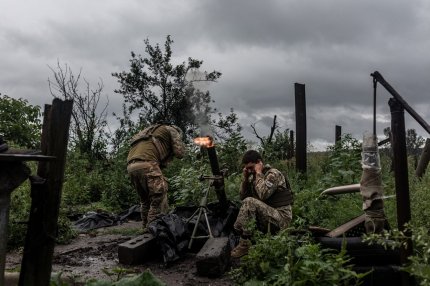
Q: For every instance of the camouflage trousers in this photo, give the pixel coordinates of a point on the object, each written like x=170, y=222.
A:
x=267, y=218
x=151, y=185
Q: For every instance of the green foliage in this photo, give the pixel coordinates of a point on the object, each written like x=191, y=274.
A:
x=280, y=147
x=230, y=152
x=328, y=212
x=420, y=198
x=19, y=215
x=162, y=91
x=83, y=183
x=19, y=122
x=146, y=278
x=103, y=181
x=185, y=186
x=419, y=262
x=343, y=166
x=119, y=193
x=287, y=259
x=226, y=126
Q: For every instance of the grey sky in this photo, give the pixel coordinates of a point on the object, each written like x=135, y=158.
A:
x=261, y=47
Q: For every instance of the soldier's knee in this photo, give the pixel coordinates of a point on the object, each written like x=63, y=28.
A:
x=249, y=201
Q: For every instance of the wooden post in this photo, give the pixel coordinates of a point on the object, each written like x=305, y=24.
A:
x=291, y=145
x=401, y=175
x=338, y=134
x=12, y=174
x=300, y=99
x=46, y=187
x=424, y=160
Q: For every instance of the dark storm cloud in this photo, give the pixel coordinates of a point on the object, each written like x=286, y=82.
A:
x=261, y=47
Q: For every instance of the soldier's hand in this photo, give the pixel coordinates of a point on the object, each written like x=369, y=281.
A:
x=245, y=173
x=258, y=167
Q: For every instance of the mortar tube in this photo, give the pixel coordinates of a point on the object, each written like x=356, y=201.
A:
x=218, y=184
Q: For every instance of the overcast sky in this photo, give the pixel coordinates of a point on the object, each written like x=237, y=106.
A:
x=261, y=47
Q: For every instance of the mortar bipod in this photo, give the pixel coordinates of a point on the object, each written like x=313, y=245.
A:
x=202, y=209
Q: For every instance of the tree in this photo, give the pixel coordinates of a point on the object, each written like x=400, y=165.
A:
x=414, y=142
x=88, y=124
x=161, y=91
x=19, y=122
x=266, y=140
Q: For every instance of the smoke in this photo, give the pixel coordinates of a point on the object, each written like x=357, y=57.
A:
x=198, y=92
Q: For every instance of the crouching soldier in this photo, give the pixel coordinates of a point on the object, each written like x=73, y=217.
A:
x=266, y=198
x=151, y=150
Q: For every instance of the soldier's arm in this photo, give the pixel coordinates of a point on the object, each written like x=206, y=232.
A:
x=245, y=189
x=178, y=146
x=265, y=185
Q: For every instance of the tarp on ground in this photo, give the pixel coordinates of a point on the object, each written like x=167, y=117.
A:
x=173, y=231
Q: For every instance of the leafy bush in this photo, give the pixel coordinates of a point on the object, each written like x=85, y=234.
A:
x=185, y=187
x=280, y=148
x=230, y=152
x=419, y=261
x=19, y=215
x=343, y=165
x=288, y=259
x=19, y=122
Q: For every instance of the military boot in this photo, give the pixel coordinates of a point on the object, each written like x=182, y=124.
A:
x=241, y=249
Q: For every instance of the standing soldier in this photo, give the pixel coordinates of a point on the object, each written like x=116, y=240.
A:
x=266, y=198
x=151, y=150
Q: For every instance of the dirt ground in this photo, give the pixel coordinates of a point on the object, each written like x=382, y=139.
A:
x=95, y=255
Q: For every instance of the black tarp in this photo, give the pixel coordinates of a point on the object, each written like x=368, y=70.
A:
x=173, y=232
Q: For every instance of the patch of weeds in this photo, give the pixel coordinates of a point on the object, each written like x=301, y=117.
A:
x=146, y=278
x=288, y=259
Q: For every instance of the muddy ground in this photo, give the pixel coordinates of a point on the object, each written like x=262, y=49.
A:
x=95, y=255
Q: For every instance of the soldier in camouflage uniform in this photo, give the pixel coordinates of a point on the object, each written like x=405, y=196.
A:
x=266, y=198
x=151, y=150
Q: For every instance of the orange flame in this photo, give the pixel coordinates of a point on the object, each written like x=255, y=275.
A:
x=204, y=141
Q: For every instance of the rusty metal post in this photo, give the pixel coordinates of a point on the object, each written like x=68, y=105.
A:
x=401, y=175
x=378, y=77
x=338, y=134
x=218, y=184
x=424, y=160
x=300, y=100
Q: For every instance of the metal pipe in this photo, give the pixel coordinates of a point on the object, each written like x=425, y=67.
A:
x=354, y=188
x=375, y=83
x=378, y=77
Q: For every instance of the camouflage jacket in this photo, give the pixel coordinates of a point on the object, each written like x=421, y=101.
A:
x=159, y=143
x=264, y=186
